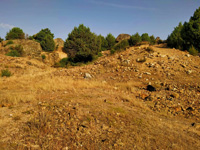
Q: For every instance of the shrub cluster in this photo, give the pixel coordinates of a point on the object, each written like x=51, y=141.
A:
x=135, y=39
x=82, y=45
x=5, y=73
x=9, y=42
x=187, y=36
x=16, y=51
x=15, y=33
x=45, y=38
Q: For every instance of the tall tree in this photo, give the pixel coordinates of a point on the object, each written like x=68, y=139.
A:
x=175, y=39
x=45, y=38
x=191, y=31
x=82, y=45
x=110, y=40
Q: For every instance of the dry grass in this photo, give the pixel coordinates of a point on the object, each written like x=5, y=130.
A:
x=54, y=109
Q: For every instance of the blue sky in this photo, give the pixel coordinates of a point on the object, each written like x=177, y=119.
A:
x=157, y=17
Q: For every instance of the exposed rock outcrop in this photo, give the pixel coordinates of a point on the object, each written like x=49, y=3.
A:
x=30, y=48
x=122, y=37
x=59, y=42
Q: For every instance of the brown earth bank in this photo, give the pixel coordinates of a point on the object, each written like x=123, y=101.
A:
x=137, y=99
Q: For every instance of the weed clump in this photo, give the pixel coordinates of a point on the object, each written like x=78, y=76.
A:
x=16, y=51
x=5, y=73
x=149, y=49
x=193, y=51
x=9, y=42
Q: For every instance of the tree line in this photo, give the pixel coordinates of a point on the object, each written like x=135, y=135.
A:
x=187, y=36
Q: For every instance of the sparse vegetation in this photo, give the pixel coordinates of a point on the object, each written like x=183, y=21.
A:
x=16, y=51
x=193, y=51
x=149, y=49
x=112, y=51
x=63, y=62
x=9, y=42
x=5, y=73
x=13, y=53
x=121, y=45
x=15, y=33
x=43, y=57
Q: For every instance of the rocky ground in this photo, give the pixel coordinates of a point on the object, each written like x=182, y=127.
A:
x=142, y=98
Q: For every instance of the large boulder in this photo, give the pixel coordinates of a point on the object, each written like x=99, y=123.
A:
x=51, y=58
x=59, y=42
x=123, y=37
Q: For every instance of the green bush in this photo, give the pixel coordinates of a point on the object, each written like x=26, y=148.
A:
x=1, y=39
x=63, y=62
x=193, y=51
x=145, y=37
x=135, y=39
x=47, y=43
x=9, y=42
x=15, y=33
x=5, y=73
x=43, y=57
x=121, y=45
x=13, y=53
x=100, y=54
x=45, y=38
x=16, y=51
x=82, y=45
x=110, y=41
x=112, y=51
x=19, y=48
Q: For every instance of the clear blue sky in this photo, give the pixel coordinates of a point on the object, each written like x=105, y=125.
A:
x=157, y=17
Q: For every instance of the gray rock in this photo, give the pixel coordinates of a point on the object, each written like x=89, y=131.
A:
x=87, y=76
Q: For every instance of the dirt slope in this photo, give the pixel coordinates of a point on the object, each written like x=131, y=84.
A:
x=136, y=99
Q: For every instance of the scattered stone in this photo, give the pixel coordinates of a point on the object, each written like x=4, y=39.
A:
x=147, y=73
x=189, y=109
x=189, y=72
x=174, y=95
x=151, y=88
x=187, y=55
x=87, y=76
x=149, y=98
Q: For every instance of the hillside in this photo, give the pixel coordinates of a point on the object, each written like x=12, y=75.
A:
x=137, y=99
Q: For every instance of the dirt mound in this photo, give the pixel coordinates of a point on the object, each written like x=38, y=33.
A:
x=123, y=37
